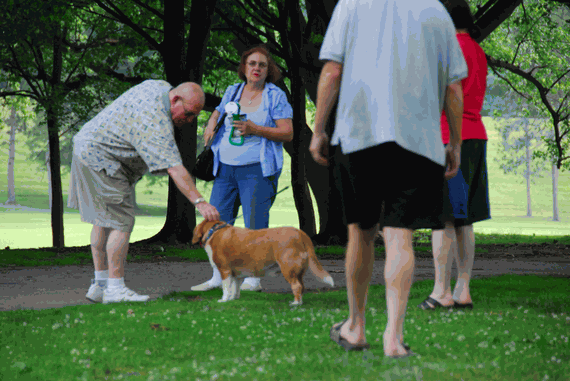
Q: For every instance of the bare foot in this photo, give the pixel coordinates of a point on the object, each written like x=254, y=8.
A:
x=393, y=346
x=355, y=336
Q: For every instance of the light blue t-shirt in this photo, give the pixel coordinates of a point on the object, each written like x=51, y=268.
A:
x=250, y=151
x=398, y=58
x=274, y=106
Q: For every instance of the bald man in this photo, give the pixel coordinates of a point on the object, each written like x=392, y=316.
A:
x=131, y=136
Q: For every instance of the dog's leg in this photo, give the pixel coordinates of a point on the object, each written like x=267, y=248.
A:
x=296, y=282
x=234, y=289
x=239, y=282
x=297, y=287
x=226, y=287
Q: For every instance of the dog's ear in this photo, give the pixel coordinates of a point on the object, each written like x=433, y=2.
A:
x=197, y=234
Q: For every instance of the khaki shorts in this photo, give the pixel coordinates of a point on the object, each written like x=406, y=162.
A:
x=102, y=200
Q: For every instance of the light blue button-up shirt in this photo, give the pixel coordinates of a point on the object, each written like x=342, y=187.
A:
x=275, y=106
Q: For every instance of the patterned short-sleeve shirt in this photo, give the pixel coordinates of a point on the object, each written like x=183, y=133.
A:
x=133, y=134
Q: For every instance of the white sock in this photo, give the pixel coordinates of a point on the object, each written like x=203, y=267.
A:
x=217, y=277
x=101, y=275
x=253, y=282
x=115, y=282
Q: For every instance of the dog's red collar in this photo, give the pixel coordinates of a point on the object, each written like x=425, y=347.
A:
x=214, y=229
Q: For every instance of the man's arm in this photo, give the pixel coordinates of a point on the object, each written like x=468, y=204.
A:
x=185, y=183
x=453, y=106
x=327, y=94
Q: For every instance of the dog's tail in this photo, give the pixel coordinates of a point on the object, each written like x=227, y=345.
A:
x=314, y=264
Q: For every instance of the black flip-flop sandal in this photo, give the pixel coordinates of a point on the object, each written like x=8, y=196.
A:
x=434, y=304
x=463, y=306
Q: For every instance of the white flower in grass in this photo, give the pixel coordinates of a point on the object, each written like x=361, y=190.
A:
x=483, y=344
x=112, y=312
x=25, y=324
x=148, y=352
x=460, y=338
x=104, y=349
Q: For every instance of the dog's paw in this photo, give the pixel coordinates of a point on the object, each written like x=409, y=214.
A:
x=294, y=303
x=222, y=300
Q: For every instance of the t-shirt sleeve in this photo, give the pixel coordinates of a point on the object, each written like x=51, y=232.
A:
x=457, y=65
x=334, y=43
x=281, y=109
x=155, y=142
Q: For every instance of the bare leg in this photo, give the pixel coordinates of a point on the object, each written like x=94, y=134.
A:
x=117, y=248
x=398, y=275
x=99, y=237
x=465, y=258
x=444, y=243
x=359, y=262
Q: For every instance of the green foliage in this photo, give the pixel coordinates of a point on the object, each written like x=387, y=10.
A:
x=533, y=58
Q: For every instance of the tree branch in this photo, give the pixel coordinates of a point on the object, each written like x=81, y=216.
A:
x=558, y=80
x=124, y=19
x=150, y=9
x=490, y=17
x=493, y=67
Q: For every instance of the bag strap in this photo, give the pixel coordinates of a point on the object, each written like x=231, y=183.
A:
x=224, y=114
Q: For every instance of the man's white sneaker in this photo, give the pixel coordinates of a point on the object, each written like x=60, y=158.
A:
x=249, y=287
x=122, y=294
x=95, y=293
x=208, y=285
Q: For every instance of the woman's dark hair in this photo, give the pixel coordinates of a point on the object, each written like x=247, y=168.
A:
x=273, y=72
x=462, y=17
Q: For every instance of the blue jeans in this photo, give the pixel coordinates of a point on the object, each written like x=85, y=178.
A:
x=244, y=185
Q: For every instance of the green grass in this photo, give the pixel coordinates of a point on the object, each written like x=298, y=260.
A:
x=517, y=331
x=507, y=196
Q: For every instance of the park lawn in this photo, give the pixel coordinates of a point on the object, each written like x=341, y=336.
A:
x=517, y=331
x=32, y=229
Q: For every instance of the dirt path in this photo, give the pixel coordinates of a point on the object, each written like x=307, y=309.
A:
x=59, y=286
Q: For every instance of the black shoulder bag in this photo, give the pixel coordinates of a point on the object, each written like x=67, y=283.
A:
x=204, y=168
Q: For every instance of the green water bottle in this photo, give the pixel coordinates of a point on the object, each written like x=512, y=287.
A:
x=233, y=109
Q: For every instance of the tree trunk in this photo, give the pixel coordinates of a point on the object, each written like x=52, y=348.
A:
x=181, y=67
x=53, y=109
x=301, y=193
x=528, y=174
x=13, y=123
x=555, y=216
x=48, y=168
x=528, y=199
x=56, y=205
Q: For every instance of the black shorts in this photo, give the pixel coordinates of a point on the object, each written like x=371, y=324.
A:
x=474, y=169
x=406, y=185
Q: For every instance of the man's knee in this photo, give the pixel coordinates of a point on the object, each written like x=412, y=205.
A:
x=367, y=234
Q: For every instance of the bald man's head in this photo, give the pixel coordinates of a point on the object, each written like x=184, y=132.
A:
x=186, y=102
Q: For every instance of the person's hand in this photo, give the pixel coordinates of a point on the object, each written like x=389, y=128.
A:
x=208, y=134
x=208, y=211
x=319, y=148
x=244, y=128
x=452, y=160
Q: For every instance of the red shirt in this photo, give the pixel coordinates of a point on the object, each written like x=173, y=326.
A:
x=474, y=87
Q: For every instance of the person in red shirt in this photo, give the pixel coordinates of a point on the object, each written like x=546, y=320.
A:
x=469, y=190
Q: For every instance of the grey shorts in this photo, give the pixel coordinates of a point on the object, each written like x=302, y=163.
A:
x=102, y=200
